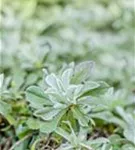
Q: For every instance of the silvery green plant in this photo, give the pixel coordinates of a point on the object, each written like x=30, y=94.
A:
x=128, y=124
x=69, y=92
x=5, y=108
x=79, y=141
x=123, y=119
x=117, y=142
x=110, y=109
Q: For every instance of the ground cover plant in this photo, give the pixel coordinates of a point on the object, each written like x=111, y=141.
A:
x=67, y=75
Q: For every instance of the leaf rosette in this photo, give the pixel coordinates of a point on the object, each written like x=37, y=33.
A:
x=70, y=91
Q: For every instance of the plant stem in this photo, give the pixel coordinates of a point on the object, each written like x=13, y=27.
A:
x=20, y=141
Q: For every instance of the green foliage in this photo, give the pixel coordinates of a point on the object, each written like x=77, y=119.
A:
x=63, y=94
x=67, y=78
x=78, y=141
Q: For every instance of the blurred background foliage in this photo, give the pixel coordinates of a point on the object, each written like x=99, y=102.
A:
x=37, y=34
x=41, y=33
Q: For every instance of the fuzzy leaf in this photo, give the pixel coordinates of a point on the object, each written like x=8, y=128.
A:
x=63, y=133
x=33, y=123
x=50, y=126
x=47, y=113
x=82, y=72
x=37, y=98
x=51, y=80
x=66, y=76
x=80, y=116
x=129, y=128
